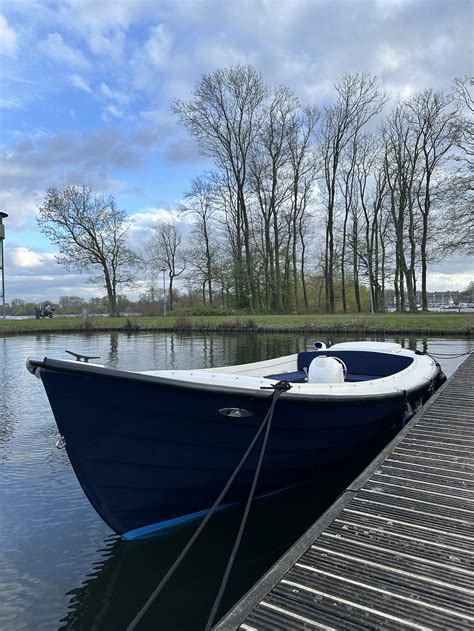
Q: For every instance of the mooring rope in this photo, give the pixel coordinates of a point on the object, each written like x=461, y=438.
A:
x=278, y=388
x=450, y=355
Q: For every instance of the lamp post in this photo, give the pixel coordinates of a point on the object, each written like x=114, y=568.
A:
x=2, y=260
x=164, y=293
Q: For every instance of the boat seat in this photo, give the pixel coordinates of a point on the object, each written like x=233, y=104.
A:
x=351, y=378
x=297, y=376
x=367, y=365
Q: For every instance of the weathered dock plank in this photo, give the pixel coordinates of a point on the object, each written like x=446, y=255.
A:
x=396, y=550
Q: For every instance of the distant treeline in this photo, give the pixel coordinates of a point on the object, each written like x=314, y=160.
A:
x=152, y=303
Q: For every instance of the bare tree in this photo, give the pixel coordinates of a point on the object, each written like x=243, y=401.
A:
x=403, y=151
x=223, y=118
x=349, y=190
x=200, y=204
x=435, y=127
x=165, y=252
x=89, y=232
x=458, y=188
x=463, y=91
x=358, y=100
x=270, y=184
x=372, y=190
x=304, y=167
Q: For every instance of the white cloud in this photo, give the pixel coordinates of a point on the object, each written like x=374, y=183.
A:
x=458, y=281
x=104, y=25
x=75, y=158
x=11, y=104
x=25, y=257
x=21, y=207
x=8, y=38
x=57, y=50
x=80, y=83
x=220, y=52
x=388, y=8
x=158, y=46
x=110, y=112
x=143, y=224
x=114, y=95
x=109, y=45
x=34, y=275
x=152, y=56
x=152, y=217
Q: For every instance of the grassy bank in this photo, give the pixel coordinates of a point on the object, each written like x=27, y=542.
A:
x=420, y=323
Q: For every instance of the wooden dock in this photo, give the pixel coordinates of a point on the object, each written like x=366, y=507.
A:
x=396, y=550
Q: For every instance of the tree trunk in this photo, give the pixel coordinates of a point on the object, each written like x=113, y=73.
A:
x=111, y=294
x=170, y=293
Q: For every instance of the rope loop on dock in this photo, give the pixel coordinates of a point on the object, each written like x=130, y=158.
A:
x=278, y=388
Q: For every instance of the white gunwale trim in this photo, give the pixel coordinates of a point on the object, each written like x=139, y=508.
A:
x=247, y=377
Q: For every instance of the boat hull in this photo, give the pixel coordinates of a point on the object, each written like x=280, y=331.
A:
x=151, y=454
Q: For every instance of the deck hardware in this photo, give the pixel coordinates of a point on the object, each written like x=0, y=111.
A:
x=319, y=346
x=80, y=357
x=235, y=412
x=61, y=443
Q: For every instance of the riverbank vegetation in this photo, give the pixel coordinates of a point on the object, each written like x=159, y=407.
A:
x=420, y=323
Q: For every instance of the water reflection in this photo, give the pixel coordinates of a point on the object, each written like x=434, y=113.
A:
x=112, y=357
x=128, y=572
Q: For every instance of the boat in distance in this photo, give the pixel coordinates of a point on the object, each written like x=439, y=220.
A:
x=154, y=449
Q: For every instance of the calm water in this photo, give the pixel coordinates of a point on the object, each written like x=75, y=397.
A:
x=60, y=565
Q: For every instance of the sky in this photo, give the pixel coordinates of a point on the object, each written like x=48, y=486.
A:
x=86, y=88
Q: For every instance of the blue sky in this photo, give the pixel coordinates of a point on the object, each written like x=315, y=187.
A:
x=87, y=88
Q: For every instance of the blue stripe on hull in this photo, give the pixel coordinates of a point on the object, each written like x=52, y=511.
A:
x=144, y=531
x=137, y=533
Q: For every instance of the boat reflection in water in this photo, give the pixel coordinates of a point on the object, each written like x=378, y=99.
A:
x=119, y=584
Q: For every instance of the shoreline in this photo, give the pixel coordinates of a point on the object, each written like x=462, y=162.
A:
x=419, y=324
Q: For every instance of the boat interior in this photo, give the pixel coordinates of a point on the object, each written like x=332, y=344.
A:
x=361, y=366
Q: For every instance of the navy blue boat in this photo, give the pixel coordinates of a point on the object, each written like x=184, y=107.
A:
x=154, y=449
